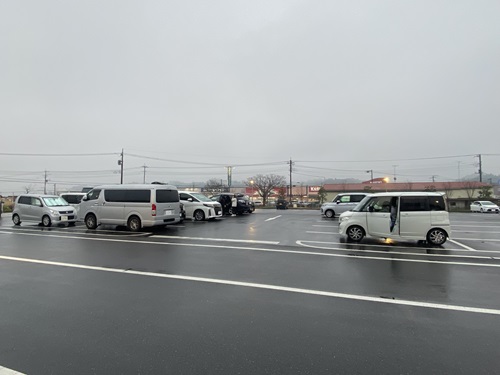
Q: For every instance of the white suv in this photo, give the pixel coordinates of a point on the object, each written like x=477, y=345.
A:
x=341, y=203
x=198, y=207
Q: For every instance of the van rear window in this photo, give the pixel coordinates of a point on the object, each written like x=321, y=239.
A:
x=437, y=204
x=167, y=196
x=129, y=196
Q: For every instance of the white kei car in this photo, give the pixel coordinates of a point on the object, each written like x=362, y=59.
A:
x=484, y=206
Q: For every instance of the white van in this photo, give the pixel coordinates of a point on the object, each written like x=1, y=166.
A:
x=133, y=205
x=421, y=216
x=198, y=207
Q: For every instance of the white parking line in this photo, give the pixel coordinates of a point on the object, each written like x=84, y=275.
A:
x=313, y=292
x=461, y=244
x=8, y=371
x=273, y=218
x=218, y=239
x=309, y=253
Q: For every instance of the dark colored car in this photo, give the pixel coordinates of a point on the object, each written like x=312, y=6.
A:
x=281, y=204
x=226, y=200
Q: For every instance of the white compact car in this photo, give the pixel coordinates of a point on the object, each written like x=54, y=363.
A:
x=484, y=206
x=45, y=209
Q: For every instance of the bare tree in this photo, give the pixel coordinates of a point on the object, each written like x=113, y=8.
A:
x=470, y=188
x=213, y=186
x=485, y=192
x=408, y=185
x=265, y=184
x=29, y=188
x=448, y=189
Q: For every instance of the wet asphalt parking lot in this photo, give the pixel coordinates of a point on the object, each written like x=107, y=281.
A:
x=273, y=292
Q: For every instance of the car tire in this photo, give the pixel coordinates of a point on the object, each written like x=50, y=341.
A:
x=436, y=237
x=230, y=211
x=134, y=224
x=199, y=215
x=355, y=233
x=482, y=211
x=16, y=219
x=330, y=214
x=91, y=221
x=46, y=222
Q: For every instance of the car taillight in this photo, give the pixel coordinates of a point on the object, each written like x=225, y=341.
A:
x=153, y=209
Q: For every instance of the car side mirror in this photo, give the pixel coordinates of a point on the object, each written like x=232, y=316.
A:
x=337, y=202
x=190, y=199
x=370, y=209
x=84, y=198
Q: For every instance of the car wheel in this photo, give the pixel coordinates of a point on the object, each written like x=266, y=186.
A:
x=230, y=211
x=16, y=219
x=482, y=211
x=91, y=221
x=46, y=222
x=355, y=233
x=134, y=224
x=436, y=236
x=199, y=215
x=329, y=213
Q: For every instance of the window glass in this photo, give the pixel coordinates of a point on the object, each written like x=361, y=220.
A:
x=344, y=198
x=184, y=196
x=128, y=196
x=357, y=198
x=24, y=200
x=138, y=196
x=167, y=196
x=414, y=204
x=93, y=194
x=380, y=204
x=55, y=202
x=36, y=202
x=437, y=204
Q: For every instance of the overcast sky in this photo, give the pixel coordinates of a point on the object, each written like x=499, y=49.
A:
x=339, y=87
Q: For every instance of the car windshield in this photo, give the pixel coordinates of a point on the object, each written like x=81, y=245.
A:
x=55, y=202
x=201, y=197
x=487, y=203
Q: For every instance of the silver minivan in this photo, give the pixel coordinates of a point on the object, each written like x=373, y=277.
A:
x=341, y=203
x=421, y=216
x=134, y=205
x=44, y=209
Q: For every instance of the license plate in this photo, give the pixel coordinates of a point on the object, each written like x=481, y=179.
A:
x=64, y=218
x=169, y=212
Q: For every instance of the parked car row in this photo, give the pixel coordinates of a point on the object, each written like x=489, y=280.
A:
x=133, y=205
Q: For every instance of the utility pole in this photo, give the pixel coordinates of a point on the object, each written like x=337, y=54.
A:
x=120, y=163
x=433, y=178
x=144, y=178
x=45, y=183
x=371, y=174
x=229, y=176
x=480, y=169
x=291, y=186
x=394, y=166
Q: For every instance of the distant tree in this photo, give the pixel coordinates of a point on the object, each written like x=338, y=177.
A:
x=281, y=192
x=29, y=188
x=485, y=192
x=408, y=185
x=322, y=195
x=368, y=189
x=265, y=184
x=448, y=189
x=470, y=188
x=430, y=188
x=213, y=186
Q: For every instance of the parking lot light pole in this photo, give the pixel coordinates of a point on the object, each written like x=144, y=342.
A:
x=371, y=176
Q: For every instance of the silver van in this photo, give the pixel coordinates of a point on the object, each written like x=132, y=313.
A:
x=198, y=207
x=421, y=216
x=44, y=209
x=341, y=203
x=134, y=205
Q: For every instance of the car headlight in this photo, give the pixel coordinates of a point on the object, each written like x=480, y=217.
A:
x=343, y=218
x=54, y=212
